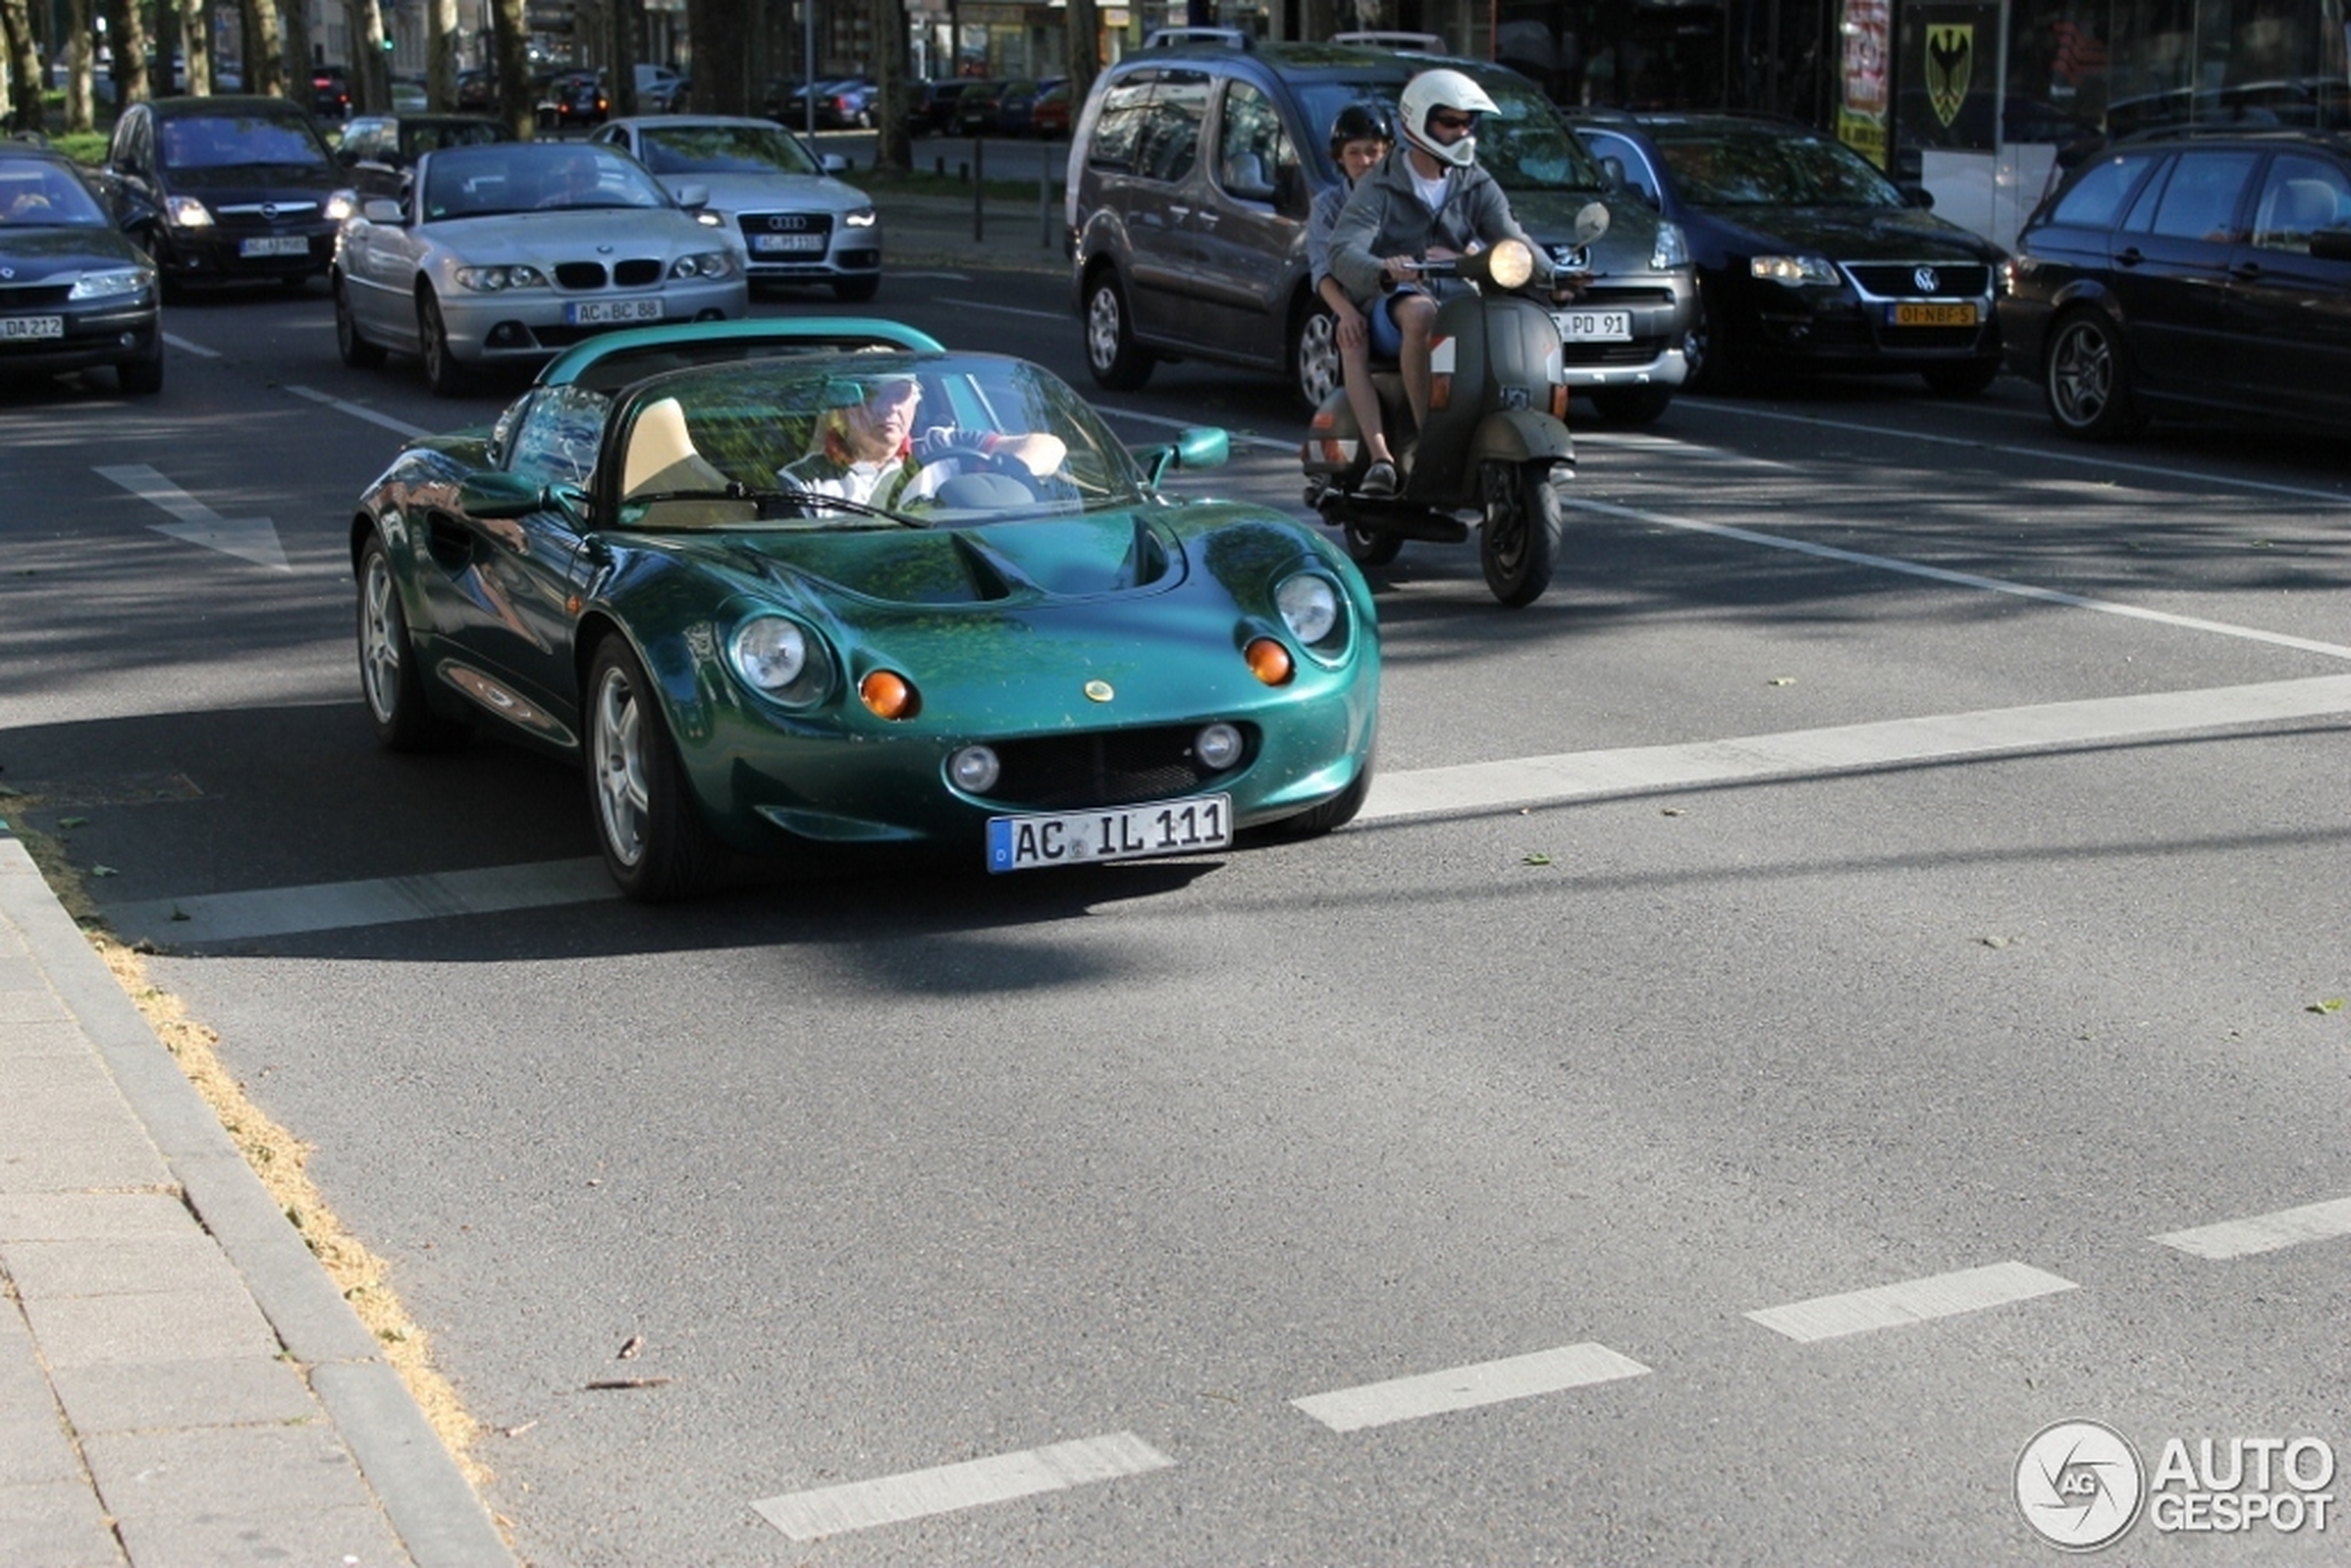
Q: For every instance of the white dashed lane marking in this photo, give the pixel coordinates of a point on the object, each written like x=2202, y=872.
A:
x=2265, y=1233
x=1466, y=1387
x=1914, y=1301
x=859, y=1505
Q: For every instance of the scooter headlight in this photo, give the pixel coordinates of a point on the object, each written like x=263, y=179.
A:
x=1510, y=264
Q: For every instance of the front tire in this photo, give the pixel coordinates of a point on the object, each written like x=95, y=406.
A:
x=654, y=841
x=1519, y=538
x=1705, y=351
x=442, y=373
x=388, y=676
x=1116, y=360
x=1313, y=353
x=2087, y=381
x=356, y=351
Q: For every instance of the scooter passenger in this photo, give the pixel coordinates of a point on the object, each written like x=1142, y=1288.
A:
x=1359, y=139
x=1427, y=201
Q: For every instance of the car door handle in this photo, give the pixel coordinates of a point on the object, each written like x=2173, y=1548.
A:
x=1178, y=213
x=2131, y=257
x=2245, y=271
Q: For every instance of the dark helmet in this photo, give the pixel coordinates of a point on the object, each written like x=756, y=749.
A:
x=1359, y=122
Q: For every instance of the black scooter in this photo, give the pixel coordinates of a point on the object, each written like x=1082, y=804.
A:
x=1496, y=443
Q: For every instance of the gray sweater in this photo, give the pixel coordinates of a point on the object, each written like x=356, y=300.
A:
x=1386, y=216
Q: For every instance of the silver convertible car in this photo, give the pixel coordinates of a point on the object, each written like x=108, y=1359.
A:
x=507, y=253
x=799, y=224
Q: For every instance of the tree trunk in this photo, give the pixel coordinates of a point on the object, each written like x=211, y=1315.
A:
x=1321, y=19
x=295, y=47
x=24, y=67
x=195, y=44
x=624, y=20
x=721, y=31
x=79, y=50
x=370, y=76
x=894, y=148
x=444, y=40
x=512, y=43
x=127, y=25
x=266, y=51
x=1085, y=54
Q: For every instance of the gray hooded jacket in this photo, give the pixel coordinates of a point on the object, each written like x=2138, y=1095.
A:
x=1386, y=216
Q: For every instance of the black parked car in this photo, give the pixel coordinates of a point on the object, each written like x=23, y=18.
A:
x=74, y=291
x=330, y=92
x=242, y=188
x=578, y=98
x=1808, y=260
x=2190, y=272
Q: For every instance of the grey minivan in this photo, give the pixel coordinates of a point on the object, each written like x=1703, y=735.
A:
x=1193, y=166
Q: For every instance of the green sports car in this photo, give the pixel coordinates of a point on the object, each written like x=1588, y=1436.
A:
x=679, y=558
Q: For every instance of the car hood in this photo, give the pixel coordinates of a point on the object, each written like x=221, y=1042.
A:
x=1855, y=233
x=29, y=255
x=545, y=238
x=1550, y=218
x=755, y=193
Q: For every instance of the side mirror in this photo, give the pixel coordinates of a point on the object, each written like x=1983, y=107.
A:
x=1195, y=446
x=1613, y=166
x=693, y=197
x=382, y=209
x=835, y=164
x=1918, y=196
x=493, y=494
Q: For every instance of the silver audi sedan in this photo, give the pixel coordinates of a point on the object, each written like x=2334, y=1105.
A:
x=508, y=252
x=797, y=222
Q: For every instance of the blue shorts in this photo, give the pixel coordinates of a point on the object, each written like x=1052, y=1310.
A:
x=1388, y=338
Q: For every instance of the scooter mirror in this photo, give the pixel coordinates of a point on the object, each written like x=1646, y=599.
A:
x=1591, y=222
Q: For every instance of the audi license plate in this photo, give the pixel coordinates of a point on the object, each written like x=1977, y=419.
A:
x=18, y=328
x=1594, y=326
x=1919, y=314
x=275, y=244
x=1024, y=843
x=600, y=313
x=770, y=243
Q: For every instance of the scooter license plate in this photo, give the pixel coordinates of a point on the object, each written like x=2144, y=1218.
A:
x=1185, y=826
x=1594, y=326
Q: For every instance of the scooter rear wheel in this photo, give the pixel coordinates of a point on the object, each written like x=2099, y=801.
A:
x=1519, y=538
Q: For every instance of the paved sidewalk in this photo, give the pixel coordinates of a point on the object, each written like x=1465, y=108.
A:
x=930, y=232
x=180, y=1383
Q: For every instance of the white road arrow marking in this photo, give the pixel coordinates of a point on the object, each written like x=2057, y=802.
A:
x=248, y=538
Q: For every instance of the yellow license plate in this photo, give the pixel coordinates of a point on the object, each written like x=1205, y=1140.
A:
x=1935, y=314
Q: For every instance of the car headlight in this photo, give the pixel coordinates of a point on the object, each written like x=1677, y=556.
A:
x=1794, y=270
x=493, y=280
x=709, y=264
x=781, y=659
x=1309, y=606
x=342, y=204
x=864, y=217
x=186, y=212
x=1672, y=248
x=114, y=280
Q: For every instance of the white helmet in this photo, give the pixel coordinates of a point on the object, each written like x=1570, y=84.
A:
x=1435, y=90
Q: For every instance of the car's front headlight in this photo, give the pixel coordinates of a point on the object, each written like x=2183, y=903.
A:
x=186, y=212
x=495, y=279
x=708, y=264
x=1309, y=603
x=1672, y=248
x=781, y=659
x=112, y=281
x=1794, y=270
x=864, y=217
x=342, y=204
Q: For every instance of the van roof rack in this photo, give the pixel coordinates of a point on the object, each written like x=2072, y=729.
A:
x=1423, y=43
x=1175, y=37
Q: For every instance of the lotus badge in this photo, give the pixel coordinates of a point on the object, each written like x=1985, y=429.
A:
x=1098, y=691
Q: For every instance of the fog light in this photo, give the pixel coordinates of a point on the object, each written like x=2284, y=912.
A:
x=1269, y=661
x=976, y=769
x=1218, y=746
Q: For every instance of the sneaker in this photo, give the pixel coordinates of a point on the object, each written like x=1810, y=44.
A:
x=1379, y=479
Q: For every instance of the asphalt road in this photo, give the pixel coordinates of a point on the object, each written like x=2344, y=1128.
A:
x=1813, y=1002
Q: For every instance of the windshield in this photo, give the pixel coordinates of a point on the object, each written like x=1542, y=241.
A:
x=36, y=193
x=193, y=142
x=527, y=176
x=1772, y=168
x=785, y=430
x=725, y=149
x=1525, y=145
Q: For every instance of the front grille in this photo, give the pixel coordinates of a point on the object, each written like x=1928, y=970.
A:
x=1959, y=339
x=636, y=274
x=1626, y=295
x=579, y=274
x=27, y=296
x=1638, y=352
x=784, y=223
x=1105, y=768
x=1899, y=280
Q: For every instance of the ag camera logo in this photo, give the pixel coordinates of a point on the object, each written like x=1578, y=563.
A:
x=2079, y=1484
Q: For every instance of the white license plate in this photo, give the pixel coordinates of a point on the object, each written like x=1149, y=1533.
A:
x=595, y=313
x=16, y=328
x=772, y=243
x=1024, y=843
x=275, y=244
x=1594, y=326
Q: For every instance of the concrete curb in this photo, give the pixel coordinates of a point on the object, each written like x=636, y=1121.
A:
x=425, y=1496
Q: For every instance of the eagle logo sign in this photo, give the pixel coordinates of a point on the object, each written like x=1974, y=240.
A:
x=1950, y=60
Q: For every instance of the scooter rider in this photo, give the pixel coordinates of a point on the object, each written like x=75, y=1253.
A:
x=1427, y=201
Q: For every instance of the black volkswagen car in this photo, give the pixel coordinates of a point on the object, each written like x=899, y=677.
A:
x=74, y=291
x=244, y=188
x=1808, y=260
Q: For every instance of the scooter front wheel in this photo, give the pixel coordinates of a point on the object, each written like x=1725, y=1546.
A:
x=1519, y=538
x=1370, y=546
